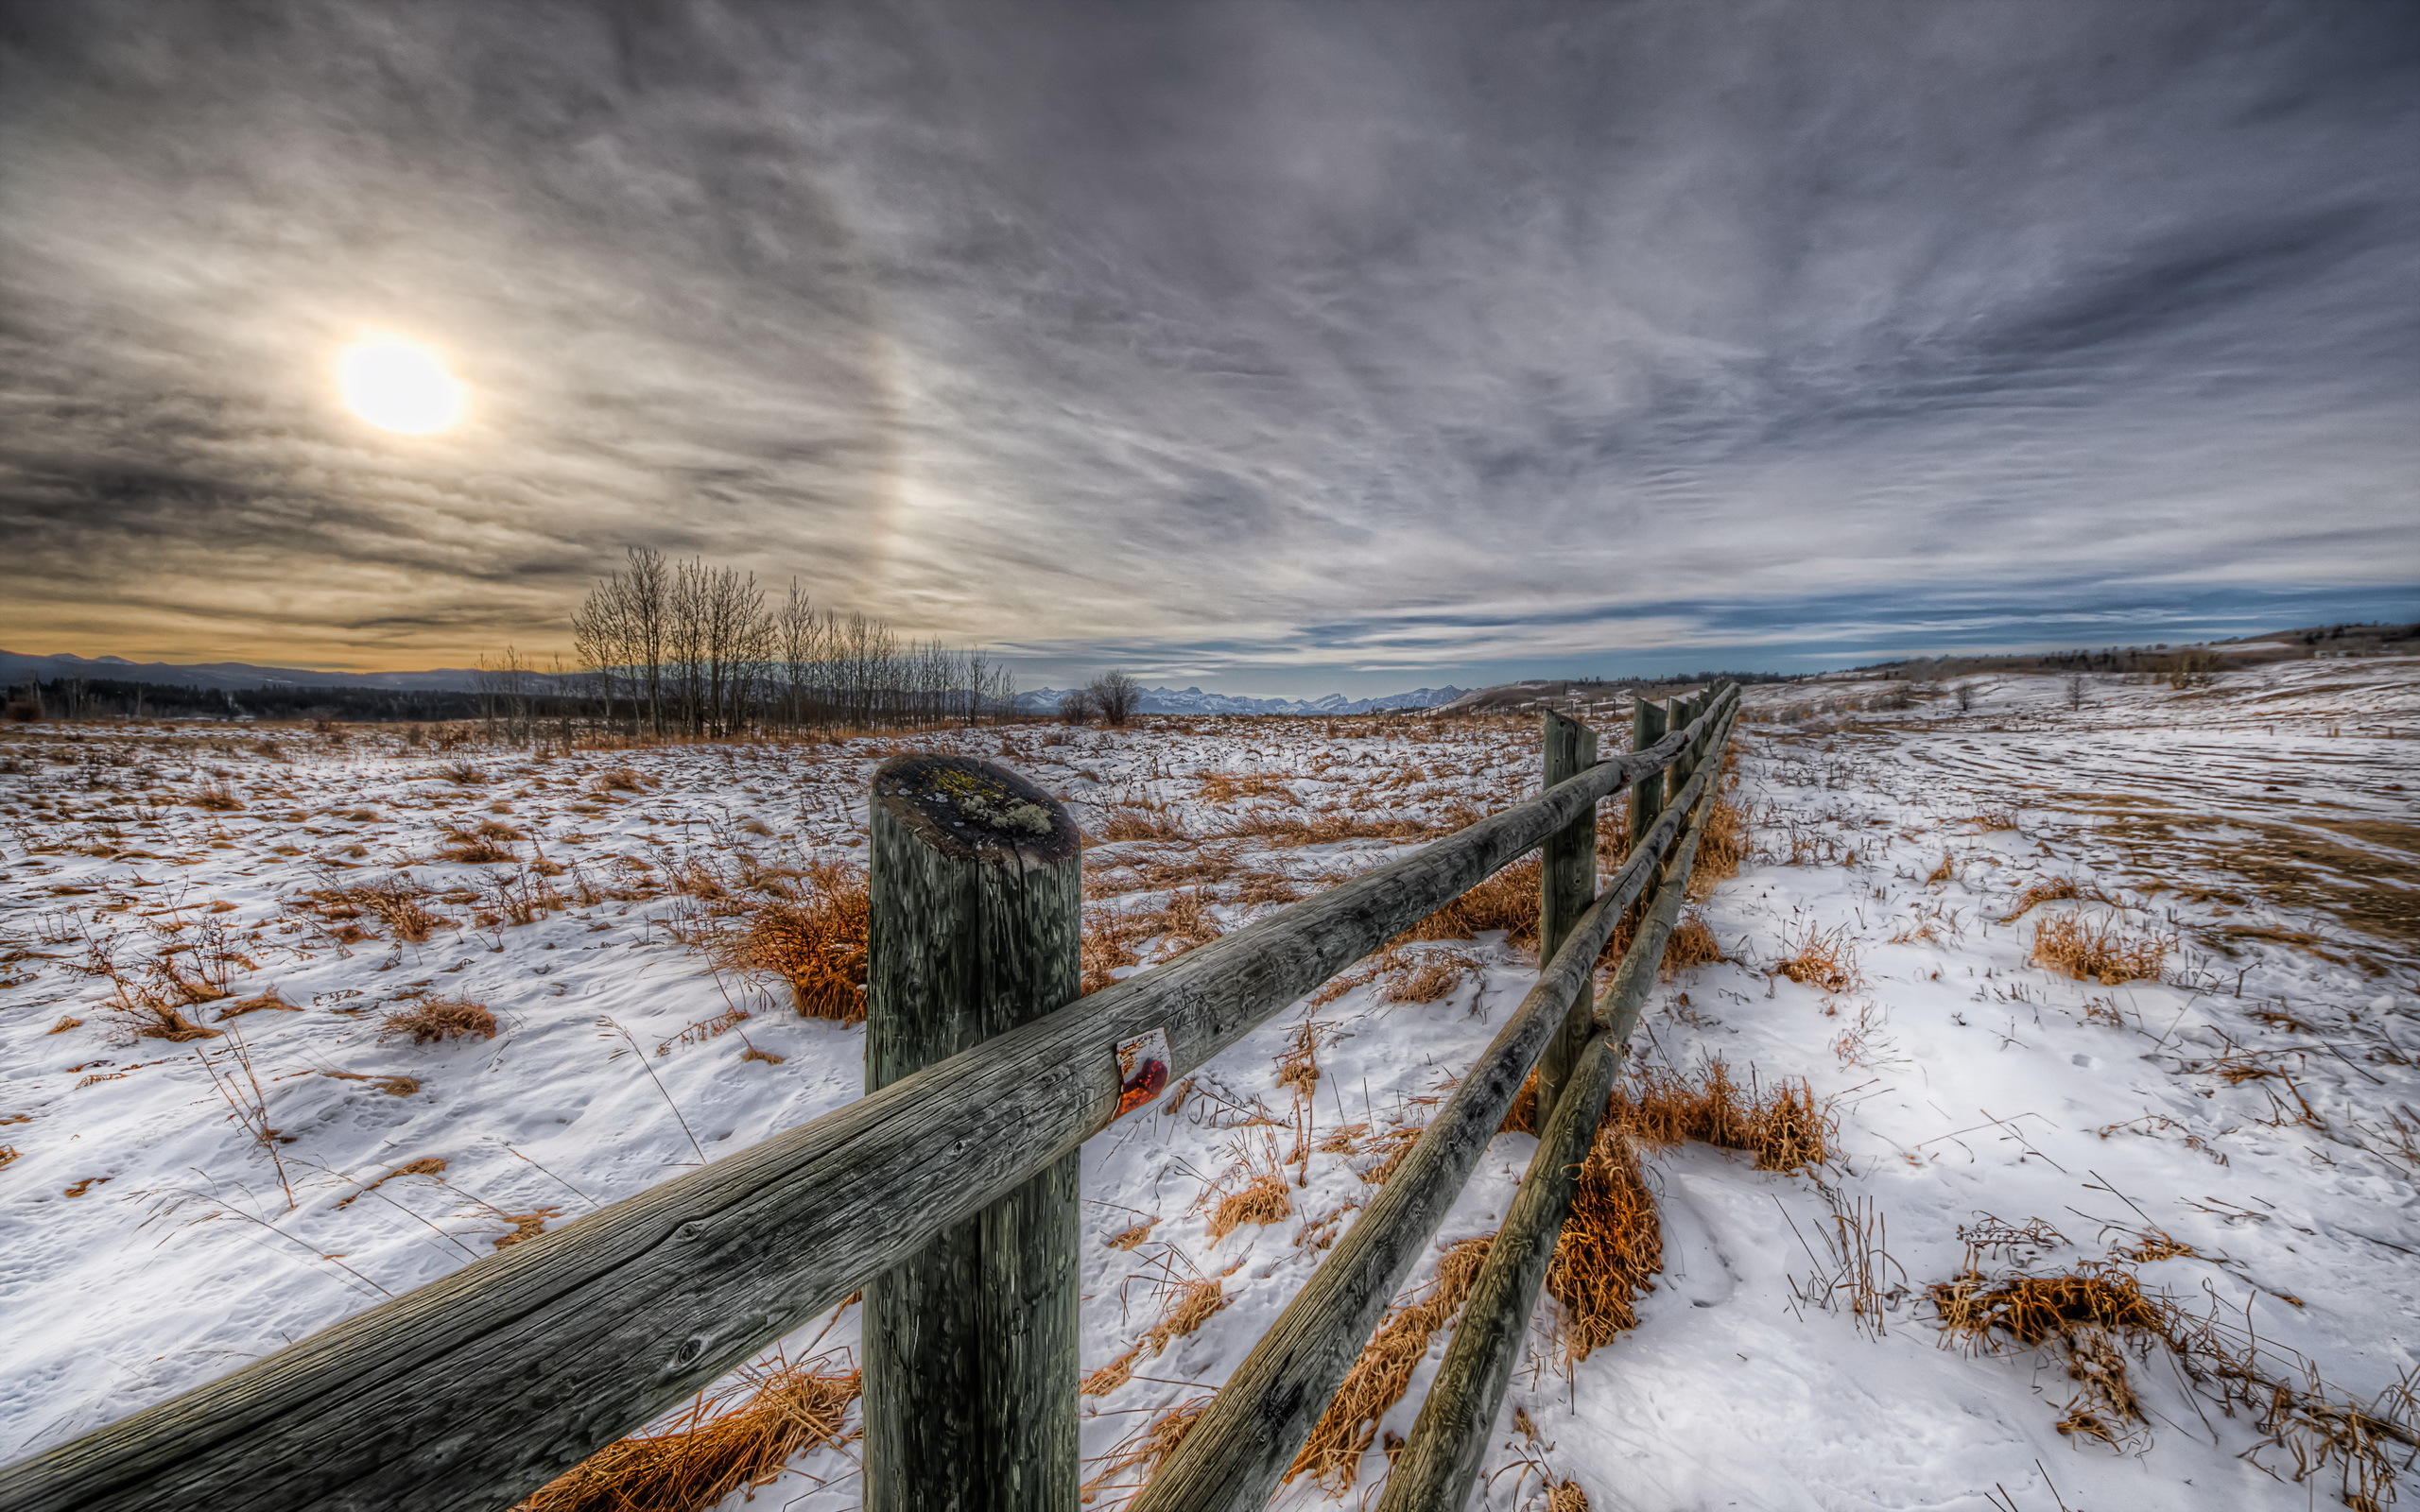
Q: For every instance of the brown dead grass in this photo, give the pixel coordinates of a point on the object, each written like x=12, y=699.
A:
x=1435, y=976
x=1332, y=1455
x=1722, y=846
x=434, y=1019
x=215, y=797
x=1783, y=1125
x=1321, y=829
x=1690, y=945
x=1149, y=1447
x=1266, y=887
x=1263, y=1199
x=1508, y=900
x=1611, y=1245
x=2054, y=890
x=2096, y=950
x=738, y=1438
x=1225, y=787
x=1135, y=823
x=1184, y=1307
x=815, y=940
x=1821, y=958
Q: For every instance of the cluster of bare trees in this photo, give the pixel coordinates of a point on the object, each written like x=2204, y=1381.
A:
x=1112, y=697
x=682, y=648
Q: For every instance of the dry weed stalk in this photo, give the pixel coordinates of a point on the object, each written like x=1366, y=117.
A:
x=1332, y=1455
x=738, y=1438
x=1184, y=1307
x=1611, y=1245
x=2097, y=951
x=1150, y=1446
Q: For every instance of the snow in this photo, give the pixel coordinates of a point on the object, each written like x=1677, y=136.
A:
x=2263, y=825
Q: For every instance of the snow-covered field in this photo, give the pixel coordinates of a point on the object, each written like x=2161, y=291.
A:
x=2250, y=1118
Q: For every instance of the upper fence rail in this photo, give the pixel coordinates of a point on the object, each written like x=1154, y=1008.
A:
x=477, y=1388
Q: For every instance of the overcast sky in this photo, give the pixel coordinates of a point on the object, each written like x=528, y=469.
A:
x=1280, y=349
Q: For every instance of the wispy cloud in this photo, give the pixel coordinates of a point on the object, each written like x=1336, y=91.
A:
x=1294, y=346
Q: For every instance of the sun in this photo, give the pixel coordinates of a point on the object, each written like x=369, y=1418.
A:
x=399, y=385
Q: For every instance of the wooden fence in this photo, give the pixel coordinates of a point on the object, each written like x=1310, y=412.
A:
x=948, y=1193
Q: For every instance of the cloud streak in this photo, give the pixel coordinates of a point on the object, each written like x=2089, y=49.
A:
x=1299, y=343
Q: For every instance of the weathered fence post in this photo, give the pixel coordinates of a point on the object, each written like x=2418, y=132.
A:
x=1566, y=886
x=970, y=1346
x=1647, y=726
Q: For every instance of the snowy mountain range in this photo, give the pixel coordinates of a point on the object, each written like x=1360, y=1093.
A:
x=1195, y=702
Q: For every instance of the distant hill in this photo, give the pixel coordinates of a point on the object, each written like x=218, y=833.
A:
x=1195, y=702
x=17, y=670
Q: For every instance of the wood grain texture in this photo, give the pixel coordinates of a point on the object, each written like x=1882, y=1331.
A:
x=1648, y=722
x=1232, y=1458
x=1567, y=883
x=474, y=1390
x=1440, y=1463
x=970, y=1355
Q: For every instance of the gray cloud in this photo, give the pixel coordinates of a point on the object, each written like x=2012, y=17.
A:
x=1283, y=342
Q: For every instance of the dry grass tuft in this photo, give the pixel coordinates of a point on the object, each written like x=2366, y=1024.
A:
x=216, y=797
x=1264, y=1200
x=1691, y=945
x=1508, y=900
x=1225, y=787
x=1821, y=958
x=1611, y=1245
x=1128, y=823
x=1783, y=1125
x=1129, y=1238
x=435, y=1019
x=470, y=847
x=816, y=942
x=1435, y=977
x=1721, y=848
x=1321, y=829
x=1332, y=1455
x=2055, y=889
x=1989, y=819
x=620, y=779
x=1266, y=887
x=739, y=1437
x=2097, y=951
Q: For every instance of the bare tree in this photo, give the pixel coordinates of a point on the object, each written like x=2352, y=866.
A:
x=2074, y=688
x=1965, y=694
x=1076, y=707
x=1117, y=695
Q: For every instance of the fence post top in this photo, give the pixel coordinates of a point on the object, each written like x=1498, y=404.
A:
x=972, y=810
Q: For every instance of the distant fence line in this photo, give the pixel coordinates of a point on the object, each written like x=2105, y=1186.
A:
x=948, y=1193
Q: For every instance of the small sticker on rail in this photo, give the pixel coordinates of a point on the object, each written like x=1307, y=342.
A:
x=1142, y=1070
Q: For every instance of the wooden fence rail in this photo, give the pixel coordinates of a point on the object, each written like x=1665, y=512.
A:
x=475, y=1389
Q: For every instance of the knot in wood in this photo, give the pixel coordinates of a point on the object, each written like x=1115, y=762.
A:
x=974, y=811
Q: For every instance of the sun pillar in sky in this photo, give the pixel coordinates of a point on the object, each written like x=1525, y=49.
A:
x=399, y=385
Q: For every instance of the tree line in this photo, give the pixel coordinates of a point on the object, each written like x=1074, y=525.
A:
x=683, y=648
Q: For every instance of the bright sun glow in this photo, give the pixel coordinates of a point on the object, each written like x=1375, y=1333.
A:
x=399, y=386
